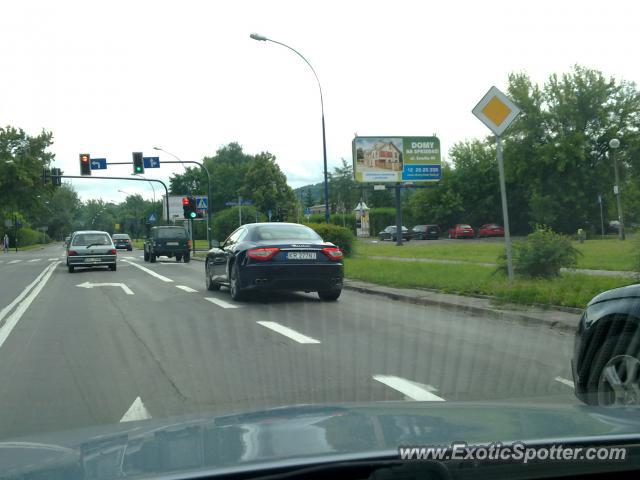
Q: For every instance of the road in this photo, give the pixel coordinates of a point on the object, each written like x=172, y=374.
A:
x=153, y=342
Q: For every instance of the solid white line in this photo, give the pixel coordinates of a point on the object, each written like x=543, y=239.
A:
x=413, y=390
x=288, y=332
x=13, y=319
x=564, y=381
x=24, y=292
x=35, y=260
x=186, y=289
x=221, y=303
x=150, y=272
x=137, y=411
x=14, y=261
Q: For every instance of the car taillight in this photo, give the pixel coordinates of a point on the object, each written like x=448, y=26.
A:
x=71, y=253
x=262, y=253
x=334, y=253
x=189, y=244
x=112, y=251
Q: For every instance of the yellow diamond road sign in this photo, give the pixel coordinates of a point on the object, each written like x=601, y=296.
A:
x=496, y=111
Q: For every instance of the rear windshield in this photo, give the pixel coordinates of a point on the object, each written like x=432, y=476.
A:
x=177, y=232
x=285, y=232
x=465, y=226
x=120, y=236
x=85, y=239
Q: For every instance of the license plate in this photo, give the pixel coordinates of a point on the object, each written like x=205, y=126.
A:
x=91, y=260
x=301, y=256
x=172, y=243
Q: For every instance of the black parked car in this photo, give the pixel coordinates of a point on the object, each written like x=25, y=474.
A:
x=606, y=357
x=389, y=233
x=167, y=241
x=426, y=232
x=275, y=256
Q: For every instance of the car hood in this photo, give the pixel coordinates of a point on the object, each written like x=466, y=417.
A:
x=298, y=435
x=629, y=291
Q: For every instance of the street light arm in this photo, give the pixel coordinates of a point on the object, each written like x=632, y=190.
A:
x=309, y=64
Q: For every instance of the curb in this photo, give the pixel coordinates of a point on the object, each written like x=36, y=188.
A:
x=473, y=309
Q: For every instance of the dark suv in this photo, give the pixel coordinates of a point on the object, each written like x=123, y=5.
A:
x=426, y=232
x=167, y=241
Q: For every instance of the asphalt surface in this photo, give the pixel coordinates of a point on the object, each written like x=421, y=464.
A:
x=157, y=344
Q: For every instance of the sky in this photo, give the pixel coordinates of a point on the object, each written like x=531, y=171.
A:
x=110, y=78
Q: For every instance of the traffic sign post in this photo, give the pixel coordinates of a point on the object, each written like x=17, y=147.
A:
x=497, y=112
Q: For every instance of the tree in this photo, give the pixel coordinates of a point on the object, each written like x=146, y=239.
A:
x=308, y=198
x=343, y=194
x=59, y=213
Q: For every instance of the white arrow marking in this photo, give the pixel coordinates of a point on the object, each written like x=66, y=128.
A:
x=413, y=390
x=137, y=411
x=126, y=289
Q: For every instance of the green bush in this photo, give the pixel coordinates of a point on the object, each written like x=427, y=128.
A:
x=339, y=236
x=226, y=221
x=28, y=236
x=542, y=254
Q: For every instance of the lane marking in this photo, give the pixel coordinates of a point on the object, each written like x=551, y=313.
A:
x=87, y=284
x=137, y=411
x=34, y=260
x=51, y=259
x=13, y=319
x=186, y=289
x=22, y=294
x=221, y=303
x=150, y=272
x=413, y=390
x=288, y=332
x=130, y=258
x=564, y=381
x=14, y=261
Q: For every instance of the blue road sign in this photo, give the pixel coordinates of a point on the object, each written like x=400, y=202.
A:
x=151, y=162
x=152, y=217
x=202, y=204
x=98, y=164
x=307, y=210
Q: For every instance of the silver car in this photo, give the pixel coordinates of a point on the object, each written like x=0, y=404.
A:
x=90, y=248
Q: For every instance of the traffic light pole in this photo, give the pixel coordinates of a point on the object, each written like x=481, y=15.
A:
x=201, y=165
x=89, y=177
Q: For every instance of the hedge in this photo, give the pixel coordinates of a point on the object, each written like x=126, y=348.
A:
x=226, y=221
x=339, y=236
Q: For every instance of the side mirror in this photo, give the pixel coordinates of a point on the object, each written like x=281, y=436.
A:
x=215, y=244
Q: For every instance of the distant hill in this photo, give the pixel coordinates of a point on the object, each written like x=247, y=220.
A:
x=316, y=192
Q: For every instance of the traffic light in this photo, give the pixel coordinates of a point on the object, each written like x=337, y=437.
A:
x=46, y=176
x=56, y=181
x=189, y=207
x=85, y=164
x=138, y=163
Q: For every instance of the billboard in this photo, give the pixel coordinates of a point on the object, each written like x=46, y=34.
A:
x=396, y=159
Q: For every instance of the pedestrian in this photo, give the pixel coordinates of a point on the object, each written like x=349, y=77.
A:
x=5, y=243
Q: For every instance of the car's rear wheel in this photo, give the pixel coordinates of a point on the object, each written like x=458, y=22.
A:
x=234, y=284
x=211, y=285
x=614, y=379
x=186, y=258
x=71, y=268
x=152, y=257
x=330, y=295
x=146, y=256
x=112, y=267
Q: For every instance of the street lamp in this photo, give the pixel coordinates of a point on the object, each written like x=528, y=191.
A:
x=614, y=144
x=262, y=38
x=209, y=196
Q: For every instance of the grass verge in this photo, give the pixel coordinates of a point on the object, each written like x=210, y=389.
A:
x=570, y=290
x=609, y=254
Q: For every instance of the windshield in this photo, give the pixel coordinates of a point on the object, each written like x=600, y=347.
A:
x=85, y=239
x=199, y=252
x=285, y=232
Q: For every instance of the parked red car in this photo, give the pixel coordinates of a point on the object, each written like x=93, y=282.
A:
x=461, y=230
x=490, y=230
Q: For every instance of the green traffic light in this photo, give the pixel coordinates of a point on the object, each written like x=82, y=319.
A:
x=193, y=214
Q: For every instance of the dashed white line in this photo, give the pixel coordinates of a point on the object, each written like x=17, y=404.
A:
x=13, y=319
x=564, y=381
x=413, y=390
x=50, y=259
x=14, y=261
x=288, y=332
x=221, y=303
x=35, y=260
x=150, y=272
x=186, y=289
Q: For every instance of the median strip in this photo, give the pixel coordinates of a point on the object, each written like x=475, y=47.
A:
x=149, y=271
